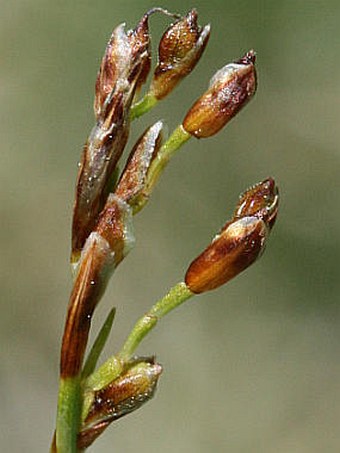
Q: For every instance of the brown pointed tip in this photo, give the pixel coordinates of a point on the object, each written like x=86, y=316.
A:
x=260, y=200
x=141, y=30
x=192, y=17
x=248, y=58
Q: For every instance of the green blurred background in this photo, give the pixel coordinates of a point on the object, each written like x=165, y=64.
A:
x=251, y=367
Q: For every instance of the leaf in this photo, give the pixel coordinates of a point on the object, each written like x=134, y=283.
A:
x=98, y=345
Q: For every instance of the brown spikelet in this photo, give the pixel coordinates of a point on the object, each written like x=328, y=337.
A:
x=180, y=49
x=240, y=242
x=124, y=68
x=230, y=90
x=121, y=397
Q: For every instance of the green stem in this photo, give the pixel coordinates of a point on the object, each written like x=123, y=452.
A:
x=114, y=366
x=175, y=297
x=68, y=416
x=70, y=403
x=174, y=142
x=143, y=106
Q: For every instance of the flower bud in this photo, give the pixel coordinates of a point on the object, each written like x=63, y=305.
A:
x=126, y=55
x=100, y=156
x=121, y=397
x=131, y=185
x=113, y=66
x=180, y=49
x=230, y=89
x=240, y=242
x=123, y=69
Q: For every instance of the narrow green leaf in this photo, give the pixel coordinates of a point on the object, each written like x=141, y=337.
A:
x=98, y=345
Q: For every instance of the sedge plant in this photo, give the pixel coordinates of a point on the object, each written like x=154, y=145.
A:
x=91, y=397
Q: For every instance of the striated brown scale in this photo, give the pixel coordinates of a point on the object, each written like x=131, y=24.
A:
x=111, y=227
x=228, y=94
x=121, y=397
x=131, y=185
x=240, y=242
x=261, y=201
x=140, y=42
x=86, y=292
x=178, y=40
x=180, y=49
x=225, y=258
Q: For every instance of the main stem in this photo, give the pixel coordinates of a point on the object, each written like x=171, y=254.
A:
x=70, y=397
x=68, y=417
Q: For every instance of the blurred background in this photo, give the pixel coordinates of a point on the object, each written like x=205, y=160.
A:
x=251, y=367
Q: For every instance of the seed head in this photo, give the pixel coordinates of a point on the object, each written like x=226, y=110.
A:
x=229, y=91
x=240, y=242
x=131, y=186
x=121, y=397
x=180, y=49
